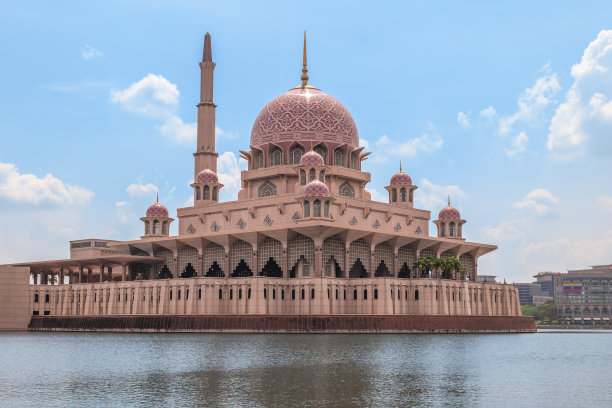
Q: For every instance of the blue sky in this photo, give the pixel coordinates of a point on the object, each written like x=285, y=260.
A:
x=506, y=107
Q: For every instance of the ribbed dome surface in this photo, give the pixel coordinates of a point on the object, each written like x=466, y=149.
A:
x=401, y=179
x=157, y=210
x=312, y=158
x=449, y=213
x=304, y=114
x=207, y=176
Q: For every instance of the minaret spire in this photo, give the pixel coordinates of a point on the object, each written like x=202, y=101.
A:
x=207, y=56
x=158, y=197
x=400, y=166
x=304, y=77
x=205, y=155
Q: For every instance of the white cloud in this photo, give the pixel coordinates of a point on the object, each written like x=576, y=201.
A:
x=223, y=134
x=519, y=144
x=463, y=120
x=156, y=97
x=174, y=128
x=506, y=231
x=582, y=122
x=427, y=142
x=228, y=171
x=435, y=197
x=378, y=196
x=88, y=52
x=532, y=102
x=606, y=202
x=567, y=253
x=28, y=188
x=488, y=113
x=139, y=190
x=122, y=211
x=537, y=202
x=153, y=96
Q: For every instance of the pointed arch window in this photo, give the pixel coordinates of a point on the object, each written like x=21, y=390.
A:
x=259, y=160
x=206, y=195
x=322, y=150
x=276, y=157
x=394, y=195
x=451, y=229
x=156, y=227
x=410, y=196
x=442, y=229
x=316, y=208
x=295, y=154
x=302, y=177
x=197, y=192
x=165, y=228
x=306, y=209
x=326, y=210
x=354, y=161
x=339, y=157
x=459, y=230
x=403, y=194
x=346, y=190
x=267, y=189
x=147, y=227
x=214, y=193
x=312, y=174
x=322, y=176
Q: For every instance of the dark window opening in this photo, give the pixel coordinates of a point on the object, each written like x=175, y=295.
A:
x=416, y=294
x=220, y=293
x=375, y=293
x=365, y=294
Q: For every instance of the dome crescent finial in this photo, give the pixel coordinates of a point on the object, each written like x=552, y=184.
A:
x=304, y=76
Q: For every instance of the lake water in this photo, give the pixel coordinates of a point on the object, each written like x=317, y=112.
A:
x=253, y=370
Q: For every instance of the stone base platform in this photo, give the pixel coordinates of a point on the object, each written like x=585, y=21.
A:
x=288, y=324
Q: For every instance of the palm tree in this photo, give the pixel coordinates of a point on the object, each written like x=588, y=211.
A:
x=455, y=267
x=439, y=264
x=424, y=264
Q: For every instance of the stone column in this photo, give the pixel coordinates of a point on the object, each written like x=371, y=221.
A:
x=89, y=274
x=255, y=264
x=395, y=271
x=61, y=276
x=228, y=272
x=318, y=260
x=372, y=264
x=200, y=271
x=123, y=272
x=176, y=267
x=80, y=274
x=110, y=273
x=101, y=273
x=347, y=267
x=285, y=262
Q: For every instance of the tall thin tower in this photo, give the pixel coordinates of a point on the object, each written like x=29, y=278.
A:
x=205, y=155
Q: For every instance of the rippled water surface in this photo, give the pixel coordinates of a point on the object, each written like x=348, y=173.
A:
x=248, y=370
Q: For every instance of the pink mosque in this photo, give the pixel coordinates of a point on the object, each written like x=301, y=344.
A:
x=303, y=248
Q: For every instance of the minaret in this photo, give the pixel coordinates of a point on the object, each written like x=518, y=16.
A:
x=205, y=155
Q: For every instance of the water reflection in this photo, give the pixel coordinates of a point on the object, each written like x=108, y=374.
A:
x=79, y=369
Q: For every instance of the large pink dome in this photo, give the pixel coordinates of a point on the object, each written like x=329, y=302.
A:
x=207, y=176
x=316, y=188
x=449, y=213
x=304, y=114
x=312, y=158
x=157, y=210
x=401, y=179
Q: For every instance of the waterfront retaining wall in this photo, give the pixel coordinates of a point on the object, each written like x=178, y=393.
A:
x=288, y=324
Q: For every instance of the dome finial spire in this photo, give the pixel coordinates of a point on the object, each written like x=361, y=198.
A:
x=304, y=77
x=158, y=197
x=400, y=166
x=449, y=200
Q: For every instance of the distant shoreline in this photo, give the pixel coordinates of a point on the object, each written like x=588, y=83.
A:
x=572, y=328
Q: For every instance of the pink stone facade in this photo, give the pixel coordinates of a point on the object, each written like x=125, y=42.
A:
x=303, y=237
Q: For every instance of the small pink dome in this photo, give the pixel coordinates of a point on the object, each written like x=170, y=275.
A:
x=401, y=179
x=316, y=188
x=449, y=213
x=207, y=176
x=312, y=158
x=157, y=210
